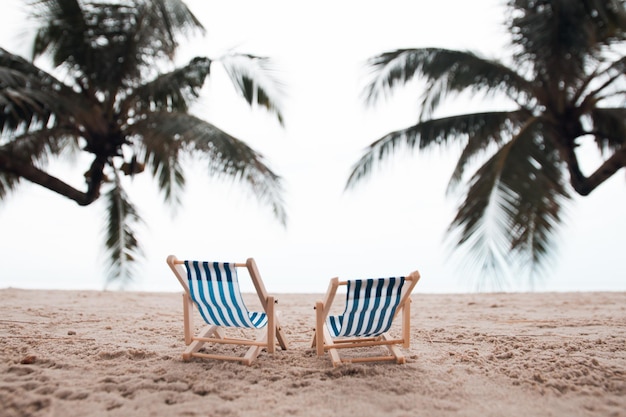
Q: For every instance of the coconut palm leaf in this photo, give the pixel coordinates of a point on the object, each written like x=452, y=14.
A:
x=30, y=96
x=121, y=241
x=515, y=197
x=445, y=71
x=484, y=129
x=489, y=131
x=78, y=33
x=560, y=39
x=173, y=91
x=173, y=18
x=256, y=81
x=224, y=155
x=609, y=128
x=37, y=147
x=8, y=183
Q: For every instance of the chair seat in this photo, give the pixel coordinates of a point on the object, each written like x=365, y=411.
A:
x=370, y=308
x=214, y=288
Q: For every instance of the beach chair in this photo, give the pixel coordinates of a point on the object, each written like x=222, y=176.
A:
x=213, y=288
x=370, y=309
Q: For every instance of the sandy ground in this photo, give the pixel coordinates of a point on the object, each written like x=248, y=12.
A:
x=82, y=353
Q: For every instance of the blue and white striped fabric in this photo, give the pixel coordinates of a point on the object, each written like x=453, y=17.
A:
x=370, y=307
x=215, y=289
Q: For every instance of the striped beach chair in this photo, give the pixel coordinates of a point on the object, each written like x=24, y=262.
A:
x=370, y=309
x=213, y=288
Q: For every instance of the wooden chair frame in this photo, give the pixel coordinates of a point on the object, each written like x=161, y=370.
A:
x=324, y=342
x=266, y=337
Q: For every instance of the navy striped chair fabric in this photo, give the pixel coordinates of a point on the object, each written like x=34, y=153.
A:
x=370, y=307
x=214, y=287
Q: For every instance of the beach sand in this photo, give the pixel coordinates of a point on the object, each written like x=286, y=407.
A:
x=90, y=353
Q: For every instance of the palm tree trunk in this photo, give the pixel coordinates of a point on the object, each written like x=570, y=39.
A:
x=37, y=176
x=585, y=185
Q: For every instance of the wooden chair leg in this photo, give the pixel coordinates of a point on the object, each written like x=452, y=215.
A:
x=319, y=328
x=254, y=351
x=406, y=324
x=281, y=338
x=394, y=350
x=333, y=353
x=196, y=345
x=187, y=318
x=271, y=325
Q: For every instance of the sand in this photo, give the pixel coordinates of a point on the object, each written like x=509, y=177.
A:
x=89, y=353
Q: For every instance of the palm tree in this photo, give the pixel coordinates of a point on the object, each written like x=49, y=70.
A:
x=565, y=84
x=120, y=101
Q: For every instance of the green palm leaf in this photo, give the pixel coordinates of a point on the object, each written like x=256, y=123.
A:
x=30, y=96
x=224, y=155
x=255, y=79
x=517, y=197
x=121, y=240
x=173, y=91
x=445, y=72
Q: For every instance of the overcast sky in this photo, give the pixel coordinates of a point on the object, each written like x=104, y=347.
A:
x=391, y=224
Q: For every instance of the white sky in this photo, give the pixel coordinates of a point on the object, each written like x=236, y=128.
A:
x=389, y=225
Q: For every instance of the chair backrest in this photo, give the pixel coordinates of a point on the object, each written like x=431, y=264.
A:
x=371, y=306
x=214, y=287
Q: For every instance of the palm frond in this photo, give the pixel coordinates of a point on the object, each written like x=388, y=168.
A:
x=558, y=39
x=256, y=81
x=169, y=173
x=109, y=45
x=609, y=18
x=172, y=91
x=37, y=146
x=514, y=203
x=154, y=36
x=609, y=128
x=8, y=184
x=229, y=157
x=173, y=17
x=167, y=135
x=30, y=96
x=390, y=70
x=159, y=149
x=482, y=127
x=610, y=86
x=488, y=131
x=61, y=30
x=445, y=71
x=121, y=242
